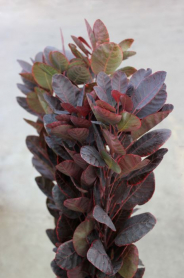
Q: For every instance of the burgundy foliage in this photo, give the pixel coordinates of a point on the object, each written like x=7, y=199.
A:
x=94, y=151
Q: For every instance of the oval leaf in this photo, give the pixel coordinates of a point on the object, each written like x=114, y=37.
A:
x=141, y=193
x=42, y=74
x=112, y=164
x=130, y=262
x=59, y=61
x=69, y=168
x=89, y=176
x=99, y=258
x=135, y=228
x=130, y=162
x=150, y=142
x=129, y=122
x=66, y=257
x=92, y=156
x=79, y=237
x=79, y=74
x=152, y=120
x=148, y=89
x=79, y=134
x=119, y=81
x=100, y=32
x=113, y=142
x=64, y=89
x=80, y=204
x=102, y=217
x=106, y=57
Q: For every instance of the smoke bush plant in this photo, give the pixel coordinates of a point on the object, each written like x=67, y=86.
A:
x=94, y=151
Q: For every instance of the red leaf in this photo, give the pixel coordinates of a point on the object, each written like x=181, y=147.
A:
x=69, y=168
x=126, y=103
x=106, y=116
x=89, y=175
x=68, y=107
x=79, y=134
x=100, y=32
x=80, y=122
x=80, y=204
x=105, y=105
x=113, y=142
x=130, y=162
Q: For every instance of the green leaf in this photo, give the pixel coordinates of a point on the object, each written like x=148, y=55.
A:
x=128, y=70
x=130, y=262
x=44, y=104
x=126, y=44
x=79, y=238
x=100, y=32
x=127, y=54
x=43, y=75
x=106, y=57
x=79, y=74
x=77, y=62
x=59, y=61
x=34, y=104
x=110, y=162
x=129, y=122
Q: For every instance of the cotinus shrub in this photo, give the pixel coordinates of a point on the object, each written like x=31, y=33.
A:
x=95, y=151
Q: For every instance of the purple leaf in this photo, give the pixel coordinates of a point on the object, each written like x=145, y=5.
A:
x=102, y=217
x=25, y=66
x=100, y=32
x=150, y=142
x=57, y=270
x=66, y=257
x=152, y=120
x=135, y=228
x=140, y=175
x=98, y=257
x=89, y=176
x=65, y=228
x=155, y=104
x=148, y=89
x=92, y=156
x=141, y=193
x=64, y=89
x=119, y=81
x=139, y=76
x=69, y=168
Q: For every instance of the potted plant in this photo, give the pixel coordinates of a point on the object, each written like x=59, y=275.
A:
x=94, y=151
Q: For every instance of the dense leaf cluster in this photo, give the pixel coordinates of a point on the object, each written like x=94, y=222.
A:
x=95, y=151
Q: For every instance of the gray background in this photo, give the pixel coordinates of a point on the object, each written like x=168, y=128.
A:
x=27, y=27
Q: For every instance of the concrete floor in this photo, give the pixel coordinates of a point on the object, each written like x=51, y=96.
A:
x=26, y=28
